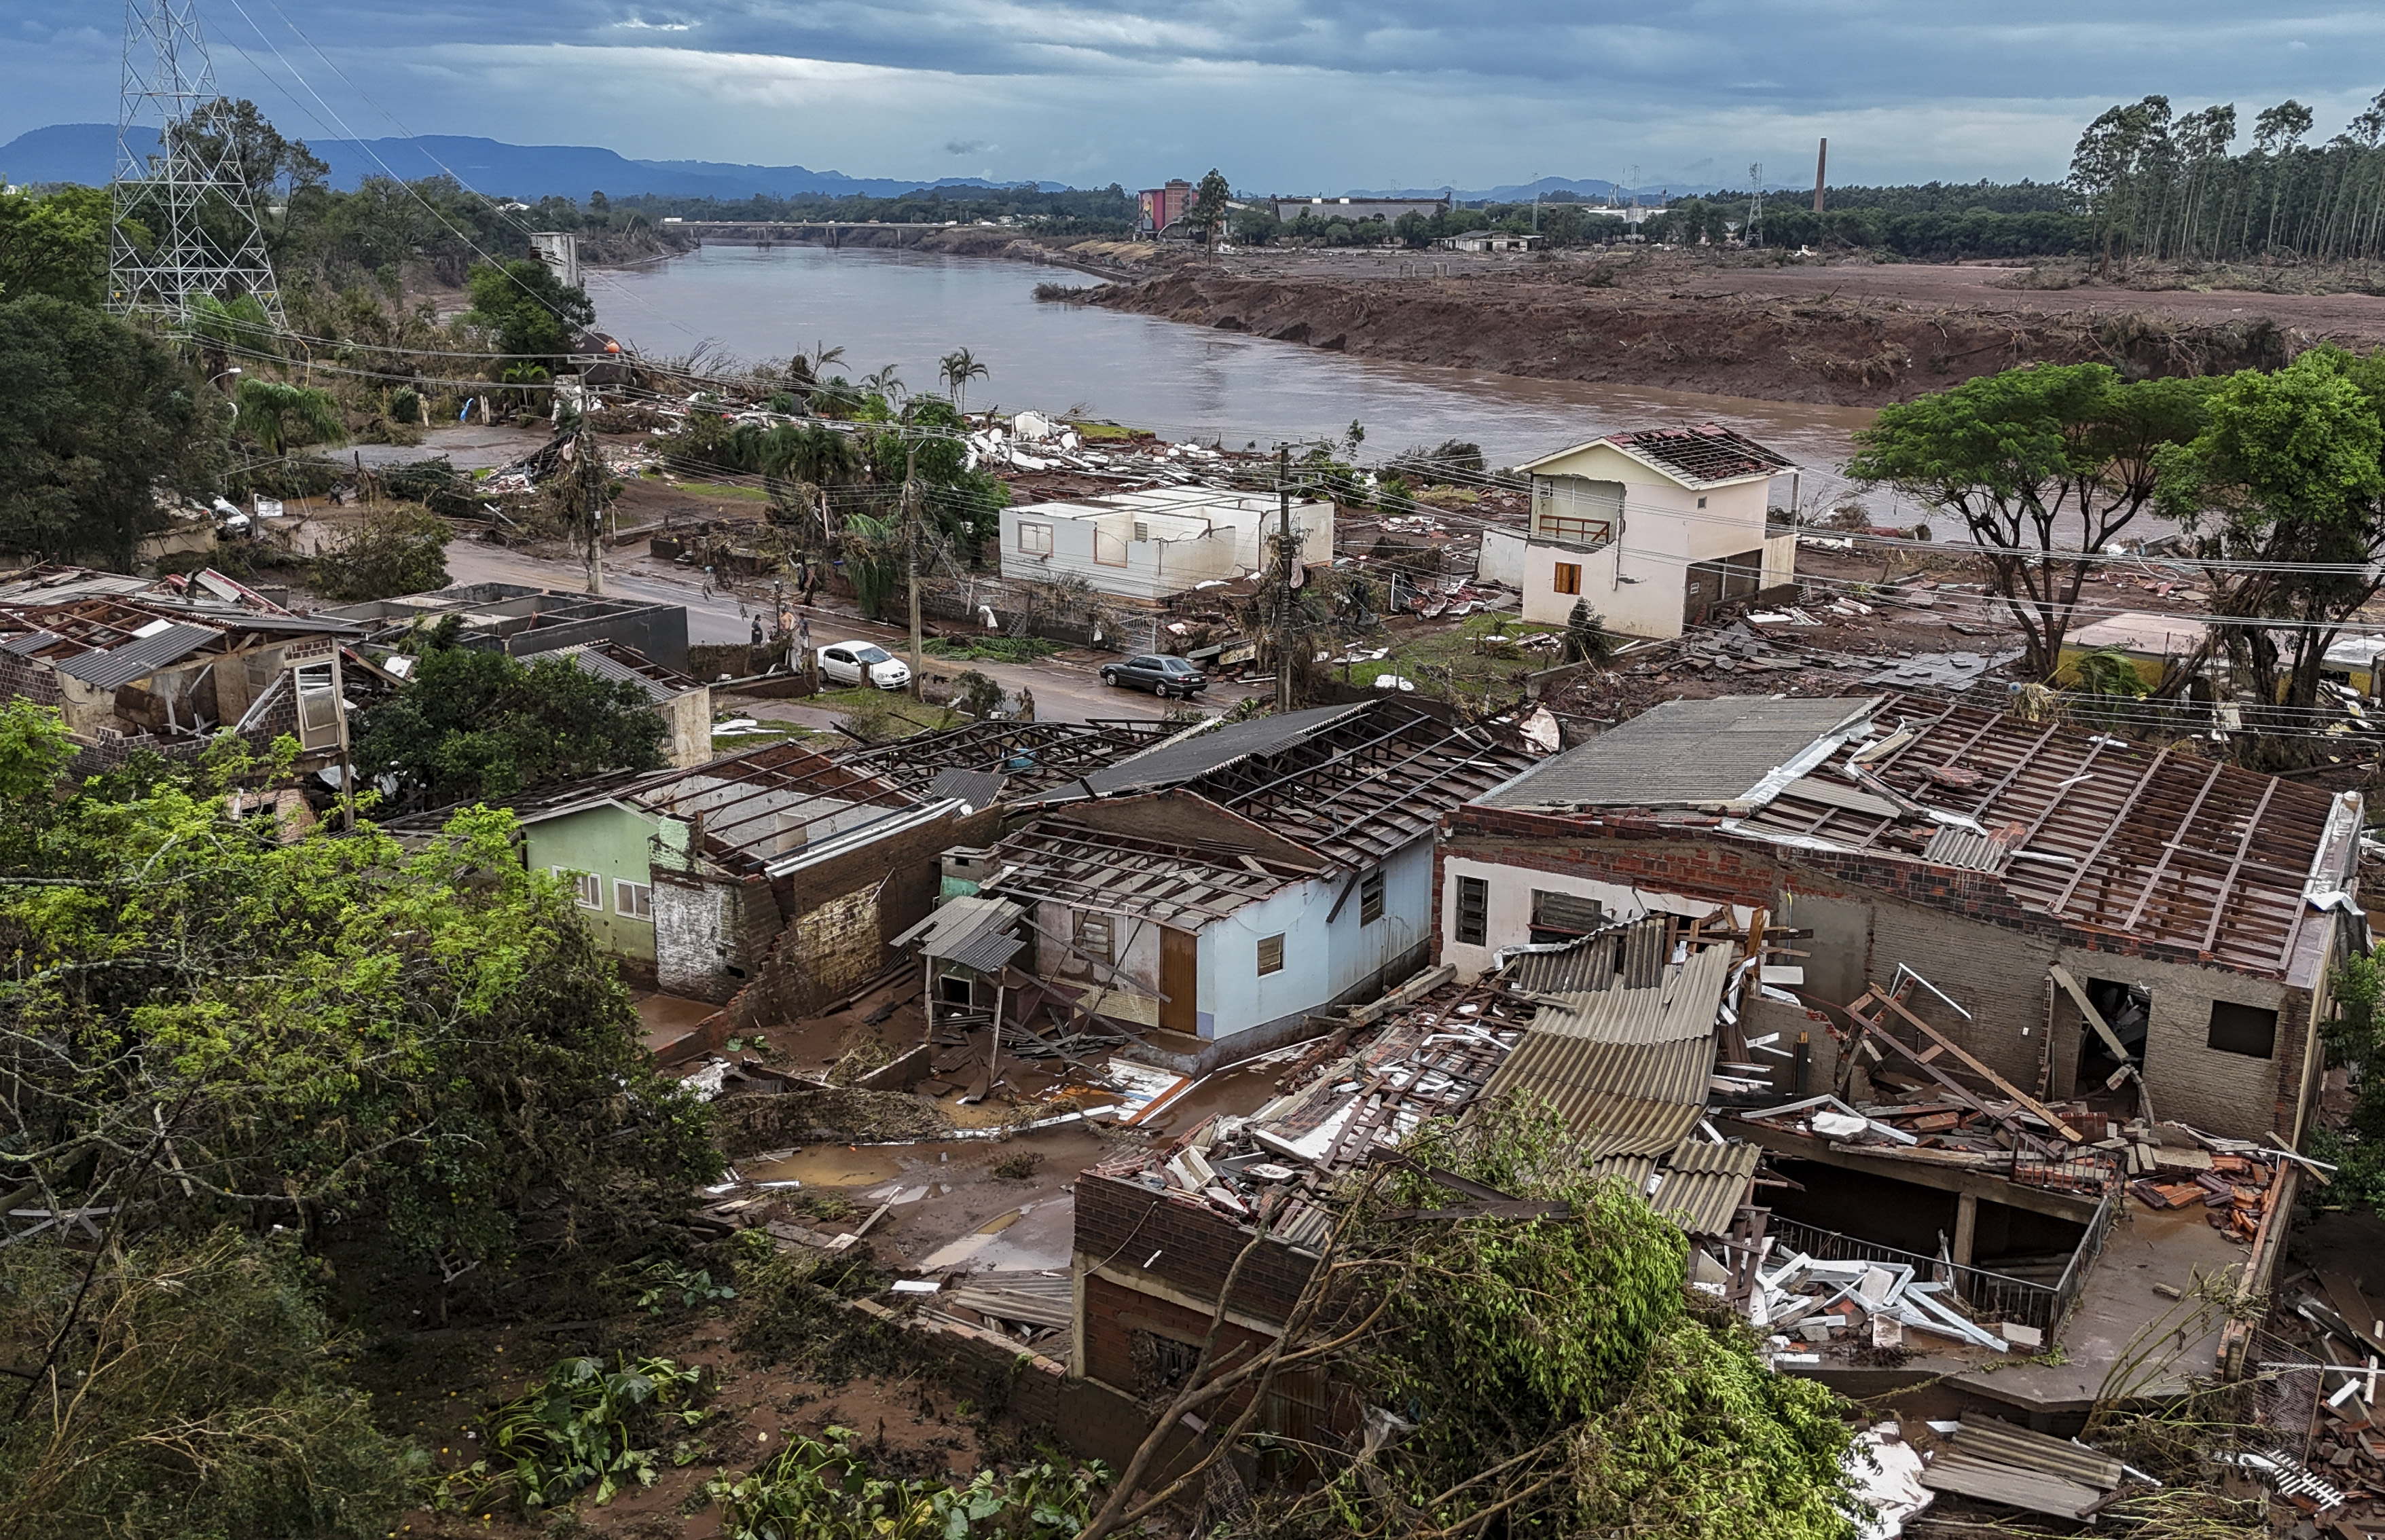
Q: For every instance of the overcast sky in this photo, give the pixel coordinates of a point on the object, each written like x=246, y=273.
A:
x=1286, y=95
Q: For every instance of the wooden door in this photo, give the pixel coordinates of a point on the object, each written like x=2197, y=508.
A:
x=1179, y=980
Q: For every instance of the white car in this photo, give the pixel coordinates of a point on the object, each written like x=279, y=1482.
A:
x=851, y=663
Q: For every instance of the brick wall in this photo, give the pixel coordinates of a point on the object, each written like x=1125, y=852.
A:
x=1112, y=1314
x=711, y=933
x=1124, y=1224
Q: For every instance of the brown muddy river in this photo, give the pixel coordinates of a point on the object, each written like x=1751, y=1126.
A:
x=1181, y=381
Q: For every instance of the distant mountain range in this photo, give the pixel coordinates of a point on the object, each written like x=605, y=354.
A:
x=86, y=153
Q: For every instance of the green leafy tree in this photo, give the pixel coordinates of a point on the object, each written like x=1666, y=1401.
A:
x=281, y=416
x=2285, y=475
x=235, y=1024
x=473, y=723
x=2047, y=465
x=272, y=167
x=1208, y=211
x=55, y=244
x=95, y=415
x=526, y=310
x=202, y=1395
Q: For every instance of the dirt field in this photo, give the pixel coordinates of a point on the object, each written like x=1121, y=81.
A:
x=1854, y=334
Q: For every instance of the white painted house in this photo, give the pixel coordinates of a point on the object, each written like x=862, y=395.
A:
x=1652, y=528
x=1153, y=545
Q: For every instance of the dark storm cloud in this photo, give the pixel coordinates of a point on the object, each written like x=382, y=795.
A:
x=1289, y=93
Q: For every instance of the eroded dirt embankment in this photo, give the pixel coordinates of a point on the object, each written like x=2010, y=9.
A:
x=1822, y=348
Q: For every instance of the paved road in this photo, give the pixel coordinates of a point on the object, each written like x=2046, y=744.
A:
x=1065, y=692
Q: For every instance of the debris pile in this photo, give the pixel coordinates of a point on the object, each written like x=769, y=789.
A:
x=1862, y=1312
x=2328, y=1402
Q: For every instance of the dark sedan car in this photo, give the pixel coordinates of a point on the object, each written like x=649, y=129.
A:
x=1159, y=674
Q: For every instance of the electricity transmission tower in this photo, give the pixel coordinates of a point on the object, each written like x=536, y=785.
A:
x=190, y=195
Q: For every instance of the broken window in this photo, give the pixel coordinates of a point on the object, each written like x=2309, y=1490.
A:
x=633, y=900
x=1270, y=954
x=1036, y=539
x=319, y=707
x=2127, y=1010
x=1094, y=936
x=1563, y=916
x=2246, y=1029
x=1473, y=928
x=1370, y=896
x=1569, y=578
x=587, y=888
x=1161, y=1363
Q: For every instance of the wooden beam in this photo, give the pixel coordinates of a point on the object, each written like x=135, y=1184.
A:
x=2243, y=849
x=2035, y=1107
x=2087, y=862
x=2171, y=849
x=2094, y=1017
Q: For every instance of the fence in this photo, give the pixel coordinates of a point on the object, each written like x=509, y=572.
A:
x=1989, y=1295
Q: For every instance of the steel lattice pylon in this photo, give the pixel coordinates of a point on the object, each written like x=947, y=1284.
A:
x=192, y=197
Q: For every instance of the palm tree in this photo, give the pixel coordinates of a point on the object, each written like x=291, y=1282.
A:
x=277, y=416
x=960, y=367
x=885, y=383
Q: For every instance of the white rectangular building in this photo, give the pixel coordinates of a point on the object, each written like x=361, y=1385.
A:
x=1154, y=545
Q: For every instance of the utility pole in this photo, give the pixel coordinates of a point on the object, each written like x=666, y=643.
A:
x=911, y=549
x=1755, y=203
x=592, y=481
x=1283, y=589
x=1821, y=164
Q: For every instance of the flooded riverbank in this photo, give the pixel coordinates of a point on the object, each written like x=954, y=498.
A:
x=909, y=309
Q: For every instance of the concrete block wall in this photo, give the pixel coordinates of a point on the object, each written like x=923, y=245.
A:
x=1111, y=1314
x=1962, y=930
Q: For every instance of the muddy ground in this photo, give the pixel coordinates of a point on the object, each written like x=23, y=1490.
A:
x=1841, y=333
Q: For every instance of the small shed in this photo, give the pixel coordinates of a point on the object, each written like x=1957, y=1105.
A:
x=965, y=946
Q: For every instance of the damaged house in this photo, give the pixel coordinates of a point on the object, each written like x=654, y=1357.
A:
x=1214, y=891
x=1619, y=1031
x=164, y=666
x=2090, y=914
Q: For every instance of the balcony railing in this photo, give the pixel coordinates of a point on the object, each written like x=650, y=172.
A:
x=1989, y=1295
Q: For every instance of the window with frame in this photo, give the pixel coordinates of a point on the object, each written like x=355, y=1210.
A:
x=1370, y=896
x=1036, y=539
x=1110, y=549
x=1271, y=955
x=1094, y=936
x=587, y=888
x=633, y=900
x=2247, y=1029
x=1568, y=577
x=1473, y=928
x=1561, y=916
x=318, y=705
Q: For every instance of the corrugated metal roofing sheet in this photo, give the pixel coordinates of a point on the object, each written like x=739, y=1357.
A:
x=976, y=787
x=1956, y=846
x=1633, y=954
x=1627, y=1069
x=1620, y=1099
x=613, y=670
x=1187, y=759
x=1986, y=1438
x=138, y=658
x=1704, y=1184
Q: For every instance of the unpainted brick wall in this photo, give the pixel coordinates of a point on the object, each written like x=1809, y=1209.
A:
x=710, y=933
x=1113, y=1312
x=1126, y=1224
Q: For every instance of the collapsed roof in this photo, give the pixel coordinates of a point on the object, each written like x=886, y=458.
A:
x=1353, y=783
x=2093, y=831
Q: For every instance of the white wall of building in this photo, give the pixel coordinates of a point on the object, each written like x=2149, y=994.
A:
x=1510, y=914
x=1154, y=546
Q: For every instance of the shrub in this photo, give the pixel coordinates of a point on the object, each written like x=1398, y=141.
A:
x=401, y=550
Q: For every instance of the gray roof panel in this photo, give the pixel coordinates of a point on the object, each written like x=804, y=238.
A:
x=1189, y=758
x=138, y=658
x=1683, y=754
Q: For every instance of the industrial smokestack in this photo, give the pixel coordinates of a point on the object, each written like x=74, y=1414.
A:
x=1821, y=165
